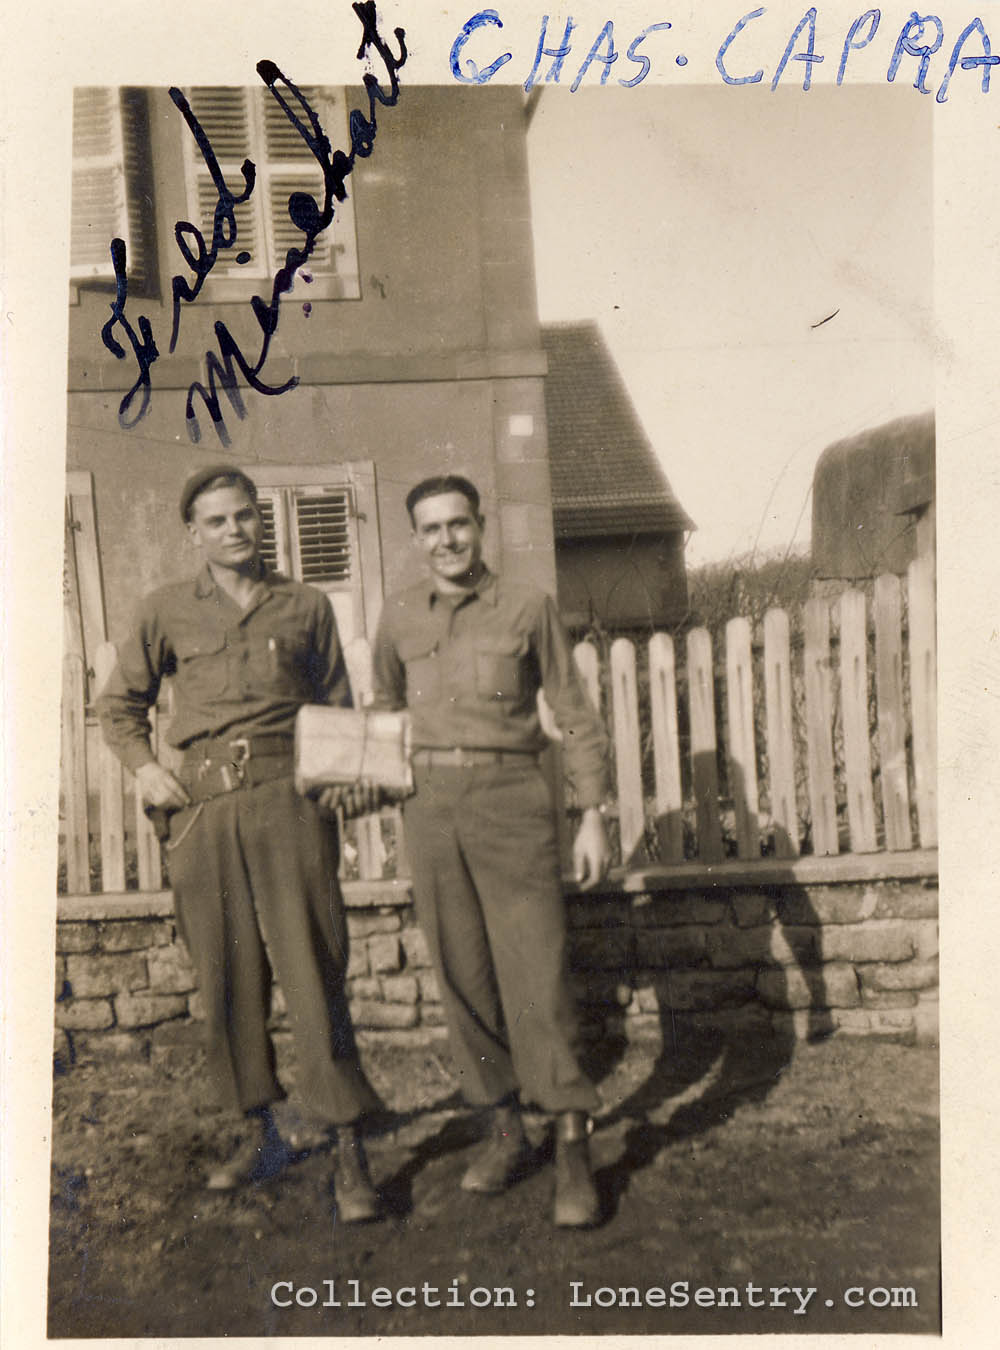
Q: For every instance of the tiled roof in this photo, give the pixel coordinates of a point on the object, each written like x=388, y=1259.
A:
x=606, y=478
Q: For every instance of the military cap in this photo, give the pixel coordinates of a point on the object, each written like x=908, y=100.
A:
x=200, y=480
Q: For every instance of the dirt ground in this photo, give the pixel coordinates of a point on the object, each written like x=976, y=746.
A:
x=724, y=1163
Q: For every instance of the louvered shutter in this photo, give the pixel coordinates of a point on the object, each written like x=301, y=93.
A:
x=226, y=117
x=292, y=168
x=325, y=534
x=99, y=210
x=321, y=527
x=274, y=544
x=250, y=124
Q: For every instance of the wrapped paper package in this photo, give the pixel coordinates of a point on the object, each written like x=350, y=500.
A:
x=344, y=745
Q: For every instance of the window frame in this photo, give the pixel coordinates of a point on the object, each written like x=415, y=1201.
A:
x=357, y=602
x=223, y=285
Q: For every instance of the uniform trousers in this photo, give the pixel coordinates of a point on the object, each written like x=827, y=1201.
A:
x=254, y=875
x=481, y=841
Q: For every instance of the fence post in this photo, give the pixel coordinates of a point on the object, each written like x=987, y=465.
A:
x=780, y=737
x=148, y=860
x=74, y=774
x=367, y=829
x=819, y=728
x=666, y=747
x=854, y=711
x=588, y=667
x=705, y=773
x=111, y=786
x=742, y=746
x=891, y=716
x=628, y=756
x=923, y=695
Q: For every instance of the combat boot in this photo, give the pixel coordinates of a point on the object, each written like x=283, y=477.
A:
x=504, y=1154
x=576, y=1203
x=353, y=1191
x=259, y=1153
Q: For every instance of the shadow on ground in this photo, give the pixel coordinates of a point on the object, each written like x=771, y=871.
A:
x=725, y=1162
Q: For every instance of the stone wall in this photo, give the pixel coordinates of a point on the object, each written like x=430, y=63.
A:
x=854, y=954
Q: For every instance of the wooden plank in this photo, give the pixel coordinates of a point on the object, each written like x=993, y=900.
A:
x=589, y=669
x=111, y=789
x=854, y=716
x=705, y=773
x=923, y=695
x=742, y=747
x=888, y=610
x=73, y=641
x=819, y=728
x=80, y=495
x=666, y=747
x=628, y=755
x=76, y=813
x=367, y=830
x=147, y=845
x=361, y=473
x=780, y=733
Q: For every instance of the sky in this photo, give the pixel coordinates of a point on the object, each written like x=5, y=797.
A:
x=708, y=230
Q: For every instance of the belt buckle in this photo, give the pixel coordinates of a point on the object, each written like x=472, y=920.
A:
x=237, y=766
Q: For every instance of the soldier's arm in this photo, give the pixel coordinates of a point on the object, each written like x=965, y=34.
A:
x=388, y=671
x=585, y=744
x=123, y=710
x=330, y=669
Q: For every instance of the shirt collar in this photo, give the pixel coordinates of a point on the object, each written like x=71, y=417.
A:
x=485, y=589
x=204, y=583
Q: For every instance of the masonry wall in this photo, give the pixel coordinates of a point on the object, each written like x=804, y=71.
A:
x=856, y=958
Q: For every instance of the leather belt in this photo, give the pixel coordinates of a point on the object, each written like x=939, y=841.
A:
x=212, y=768
x=238, y=749
x=462, y=757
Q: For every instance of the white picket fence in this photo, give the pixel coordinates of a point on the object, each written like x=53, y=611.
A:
x=801, y=731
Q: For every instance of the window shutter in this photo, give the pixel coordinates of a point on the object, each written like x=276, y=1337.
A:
x=274, y=547
x=250, y=124
x=292, y=168
x=226, y=118
x=324, y=527
x=321, y=527
x=98, y=194
x=112, y=187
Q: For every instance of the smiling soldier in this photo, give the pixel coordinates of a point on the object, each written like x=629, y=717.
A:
x=467, y=652
x=253, y=865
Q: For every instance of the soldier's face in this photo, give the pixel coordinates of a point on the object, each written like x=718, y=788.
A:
x=450, y=534
x=226, y=526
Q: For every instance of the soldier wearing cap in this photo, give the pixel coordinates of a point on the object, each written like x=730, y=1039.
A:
x=253, y=865
x=467, y=652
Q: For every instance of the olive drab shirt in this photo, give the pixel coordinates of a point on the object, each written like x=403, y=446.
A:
x=236, y=671
x=469, y=667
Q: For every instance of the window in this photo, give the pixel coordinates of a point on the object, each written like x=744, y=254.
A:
x=250, y=124
x=321, y=527
x=112, y=186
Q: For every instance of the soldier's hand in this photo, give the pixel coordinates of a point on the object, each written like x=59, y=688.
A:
x=353, y=799
x=159, y=787
x=591, y=851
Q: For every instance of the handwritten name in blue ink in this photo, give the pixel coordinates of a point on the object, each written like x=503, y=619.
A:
x=304, y=211
x=566, y=49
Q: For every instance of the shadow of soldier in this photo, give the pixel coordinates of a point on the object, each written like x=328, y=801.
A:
x=728, y=981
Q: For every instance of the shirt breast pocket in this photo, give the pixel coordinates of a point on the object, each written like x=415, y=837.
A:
x=500, y=676
x=279, y=664
x=423, y=672
x=202, y=667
